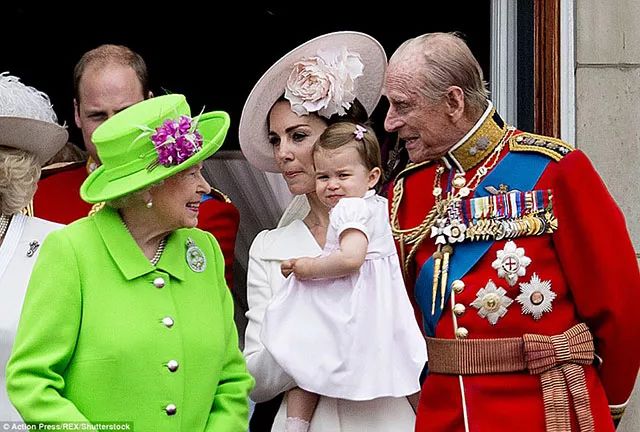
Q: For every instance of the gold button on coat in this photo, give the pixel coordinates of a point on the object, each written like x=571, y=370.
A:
x=457, y=286
x=459, y=309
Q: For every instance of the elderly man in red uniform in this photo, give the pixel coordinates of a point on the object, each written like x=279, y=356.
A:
x=107, y=80
x=519, y=259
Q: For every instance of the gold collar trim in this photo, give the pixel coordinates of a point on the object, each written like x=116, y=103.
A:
x=478, y=143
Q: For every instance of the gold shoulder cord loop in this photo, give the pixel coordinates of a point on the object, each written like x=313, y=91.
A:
x=412, y=236
x=96, y=208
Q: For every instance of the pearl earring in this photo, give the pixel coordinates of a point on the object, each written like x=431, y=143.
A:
x=149, y=204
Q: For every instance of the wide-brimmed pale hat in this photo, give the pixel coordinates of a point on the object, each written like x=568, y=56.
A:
x=367, y=87
x=27, y=120
x=148, y=142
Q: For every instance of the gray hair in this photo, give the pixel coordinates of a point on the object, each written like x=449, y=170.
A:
x=445, y=60
x=19, y=174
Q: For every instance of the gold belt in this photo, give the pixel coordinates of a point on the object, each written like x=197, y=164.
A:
x=557, y=359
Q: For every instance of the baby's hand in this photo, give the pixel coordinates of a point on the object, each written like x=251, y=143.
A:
x=286, y=267
x=303, y=268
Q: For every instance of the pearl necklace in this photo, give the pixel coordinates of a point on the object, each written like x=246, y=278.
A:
x=4, y=224
x=156, y=256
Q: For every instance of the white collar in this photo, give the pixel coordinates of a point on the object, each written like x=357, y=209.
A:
x=11, y=239
x=291, y=241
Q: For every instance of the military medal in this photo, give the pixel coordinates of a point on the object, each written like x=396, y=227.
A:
x=492, y=302
x=511, y=263
x=536, y=297
x=195, y=257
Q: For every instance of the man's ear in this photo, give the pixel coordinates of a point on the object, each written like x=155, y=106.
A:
x=455, y=103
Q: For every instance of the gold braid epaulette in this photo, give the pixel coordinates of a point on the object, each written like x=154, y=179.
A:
x=219, y=194
x=552, y=147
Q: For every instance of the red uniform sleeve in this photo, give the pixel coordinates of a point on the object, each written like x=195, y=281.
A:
x=57, y=197
x=221, y=219
x=600, y=265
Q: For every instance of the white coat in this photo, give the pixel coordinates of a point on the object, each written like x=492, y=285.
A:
x=15, y=270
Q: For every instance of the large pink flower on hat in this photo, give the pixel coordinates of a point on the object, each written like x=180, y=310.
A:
x=324, y=83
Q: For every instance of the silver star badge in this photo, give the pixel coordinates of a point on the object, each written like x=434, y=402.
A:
x=437, y=231
x=455, y=231
x=536, y=297
x=511, y=263
x=492, y=302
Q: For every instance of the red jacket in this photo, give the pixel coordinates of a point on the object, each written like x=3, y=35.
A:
x=58, y=199
x=590, y=264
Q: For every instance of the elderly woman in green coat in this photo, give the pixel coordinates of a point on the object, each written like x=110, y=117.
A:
x=127, y=316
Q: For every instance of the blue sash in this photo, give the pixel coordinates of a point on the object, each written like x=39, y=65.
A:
x=517, y=170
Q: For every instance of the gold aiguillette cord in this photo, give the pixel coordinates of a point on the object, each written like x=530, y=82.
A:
x=437, y=260
x=447, y=250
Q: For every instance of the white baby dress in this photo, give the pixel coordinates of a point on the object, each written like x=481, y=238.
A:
x=354, y=337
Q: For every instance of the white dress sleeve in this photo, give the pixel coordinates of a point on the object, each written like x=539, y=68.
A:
x=350, y=213
x=270, y=379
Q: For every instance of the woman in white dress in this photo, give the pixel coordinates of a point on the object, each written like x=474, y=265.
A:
x=344, y=317
x=29, y=137
x=334, y=77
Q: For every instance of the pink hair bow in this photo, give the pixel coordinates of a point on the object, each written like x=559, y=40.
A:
x=359, y=132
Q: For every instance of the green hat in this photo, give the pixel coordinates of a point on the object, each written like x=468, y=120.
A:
x=148, y=142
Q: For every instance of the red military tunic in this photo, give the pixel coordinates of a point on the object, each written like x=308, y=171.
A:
x=58, y=199
x=588, y=261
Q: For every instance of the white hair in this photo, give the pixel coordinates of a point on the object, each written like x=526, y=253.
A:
x=19, y=100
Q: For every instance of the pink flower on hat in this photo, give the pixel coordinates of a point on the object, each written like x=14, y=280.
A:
x=324, y=83
x=176, y=141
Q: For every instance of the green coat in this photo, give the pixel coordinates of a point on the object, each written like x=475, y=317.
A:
x=97, y=334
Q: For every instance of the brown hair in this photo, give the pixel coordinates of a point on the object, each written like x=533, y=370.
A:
x=355, y=114
x=111, y=54
x=445, y=60
x=343, y=133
